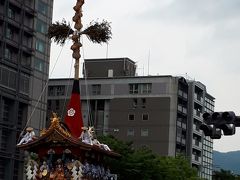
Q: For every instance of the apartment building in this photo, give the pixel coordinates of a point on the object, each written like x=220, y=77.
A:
x=199, y=102
x=24, y=63
x=161, y=112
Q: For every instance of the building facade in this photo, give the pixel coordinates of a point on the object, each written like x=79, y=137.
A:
x=24, y=63
x=207, y=154
x=160, y=112
x=202, y=147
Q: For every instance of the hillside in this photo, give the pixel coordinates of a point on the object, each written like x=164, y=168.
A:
x=227, y=161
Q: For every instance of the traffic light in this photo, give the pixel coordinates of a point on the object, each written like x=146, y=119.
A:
x=228, y=124
x=217, y=122
x=211, y=130
x=217, y=133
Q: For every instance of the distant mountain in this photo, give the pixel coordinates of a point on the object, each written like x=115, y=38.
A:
x=227, y=161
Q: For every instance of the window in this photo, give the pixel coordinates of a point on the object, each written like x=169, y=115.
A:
x=179, y=124
x=56, y=91
x=12, y=79
x=145, y=117
x=51, y=91
x=41, y=26
x=5, y=138
x=184, y=110
x=143, y=102
x=39, y=64
x=40, y=46
x=144, y=132
x=180, y=93
x=9, y=33
x=144, y=88
x=60, y=90
x=7, y=53
x=133, y=88
x=6, y=110
x=22, y=111
x=24, y=85
x=185, y=95
x=130, y=132
x=96, y=89
x=28, y=21
x=179, y=132
x=11, y=13
x=26, y=60
x=27, y=40
x=42, y=7
x=131, y=117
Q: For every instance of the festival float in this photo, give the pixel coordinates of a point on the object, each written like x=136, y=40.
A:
x=68, y=150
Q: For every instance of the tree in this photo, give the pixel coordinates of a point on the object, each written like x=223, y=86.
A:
x=143, y=164
x=176, y=168
x=224, y=174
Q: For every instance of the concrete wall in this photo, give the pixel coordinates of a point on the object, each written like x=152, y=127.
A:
x=158, y=110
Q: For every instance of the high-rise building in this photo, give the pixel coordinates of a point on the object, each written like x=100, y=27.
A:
x=24, y=63
x=207, y=159
x=200, y=101
x=161, y=112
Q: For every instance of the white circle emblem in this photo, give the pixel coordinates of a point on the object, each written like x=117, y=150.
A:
x=71, y=112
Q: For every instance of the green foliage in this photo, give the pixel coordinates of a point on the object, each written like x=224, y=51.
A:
x=225, y=174
x=176, y=168
x=143, y=164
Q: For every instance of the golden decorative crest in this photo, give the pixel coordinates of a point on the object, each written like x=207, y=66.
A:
x=56, y=124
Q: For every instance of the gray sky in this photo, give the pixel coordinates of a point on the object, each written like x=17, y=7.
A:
x=200, y=39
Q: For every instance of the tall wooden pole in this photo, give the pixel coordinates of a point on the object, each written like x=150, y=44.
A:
x=76, y=38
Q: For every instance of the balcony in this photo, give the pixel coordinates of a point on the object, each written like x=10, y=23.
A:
x=184, y=126
x=183, y=141
x=198, y=98
x=178, y=139
x=197, y=143
x=180, y=92
x=197, y=114
x=29, y=4
x=12, y=34
x=196, y=159
x=185, y=95
x=179, y=124
x=16, y=3
x=14, y=22
x=196, y=129
x=184, y=110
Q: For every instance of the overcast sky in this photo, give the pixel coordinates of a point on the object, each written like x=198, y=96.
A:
x=198, y=39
